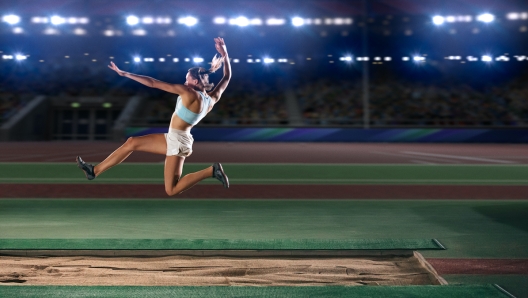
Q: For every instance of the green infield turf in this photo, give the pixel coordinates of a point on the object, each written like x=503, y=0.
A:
x=469, y=291
x=517, y=285
x=220, y=244
x=279, y=174
x=468, y=229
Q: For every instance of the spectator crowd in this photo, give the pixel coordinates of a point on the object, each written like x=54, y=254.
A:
x=250, y=101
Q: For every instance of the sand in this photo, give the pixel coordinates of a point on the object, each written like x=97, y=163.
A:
x=213, y=271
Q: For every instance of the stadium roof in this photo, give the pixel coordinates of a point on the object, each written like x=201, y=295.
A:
x=256, y=7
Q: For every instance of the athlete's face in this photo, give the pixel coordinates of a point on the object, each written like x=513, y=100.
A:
x=189, y=80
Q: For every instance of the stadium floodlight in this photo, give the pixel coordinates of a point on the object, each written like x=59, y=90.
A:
x=161, y=59
x=11, y=19
x=219, y=20
x=18, y=30
x=339, y=21
x=257, y=60
x=486, y=18
x=405, y=58
x=7, y=57
x=20, y=57
x=502, y=58
x=148, y=20
x=346, y=58
x=275, y=22
x=198, y=60
x=175, y=60
x=255, y=22
x=249, y=60
x=161, y=20
x=84, y=20
x=486, y=58
x=297, y=21
x=438, y=20
x=418, y=59
x=387, y=59
x=73, y=20
x=139, y=32
x=132, y=20
x=56, y=20
x=187, y=59
x=269, y=60
x=236, y=60
x=109, y=32
x=520, y=58
x=148, y=59
x=450, y=19
x=137, y=59
x=51, y=31
x=79, y=31
x=240, y=21
x=513, y=16
x=188, y=21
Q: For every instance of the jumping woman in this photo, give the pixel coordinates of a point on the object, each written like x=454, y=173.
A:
x=192, y=105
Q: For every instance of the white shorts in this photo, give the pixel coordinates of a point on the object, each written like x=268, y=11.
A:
x=179, y=142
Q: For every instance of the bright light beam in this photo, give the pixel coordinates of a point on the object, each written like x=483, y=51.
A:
x=11, y=19
x=486, y=18
x=438, y=20
x=56, y=20
x=297, y=22
x=132, y=20
x=188, y=21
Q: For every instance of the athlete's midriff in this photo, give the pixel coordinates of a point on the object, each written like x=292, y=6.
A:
x=178, y=123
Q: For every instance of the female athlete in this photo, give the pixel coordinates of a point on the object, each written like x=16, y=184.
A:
x=195, y=100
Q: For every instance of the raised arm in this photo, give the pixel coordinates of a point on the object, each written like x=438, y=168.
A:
x=216, y=93
x=150, y=82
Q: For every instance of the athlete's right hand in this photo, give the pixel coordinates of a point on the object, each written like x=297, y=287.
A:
x=113, y=67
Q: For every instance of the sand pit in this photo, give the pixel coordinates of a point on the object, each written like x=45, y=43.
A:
x=215, y=271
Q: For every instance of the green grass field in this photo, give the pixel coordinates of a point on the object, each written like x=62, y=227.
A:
x=280, y=174
x=468, y=228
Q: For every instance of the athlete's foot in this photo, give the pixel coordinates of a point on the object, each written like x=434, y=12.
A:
x=219, y=174
x=88, y=169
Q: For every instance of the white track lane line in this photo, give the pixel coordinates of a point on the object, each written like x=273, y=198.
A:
x=443, y=161
x=24, y=156
x=423, y=162
x=289, y=180
x=83, y=155
x=458, y=157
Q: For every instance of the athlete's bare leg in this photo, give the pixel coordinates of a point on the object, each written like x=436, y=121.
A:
x=153, y=143
x=173, y=170
x=156, y=143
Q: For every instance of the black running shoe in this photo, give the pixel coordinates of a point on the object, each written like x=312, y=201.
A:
x=219, y=174
x=88, y=169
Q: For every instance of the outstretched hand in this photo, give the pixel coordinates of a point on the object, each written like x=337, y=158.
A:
x=220, y=46
x=113, y=67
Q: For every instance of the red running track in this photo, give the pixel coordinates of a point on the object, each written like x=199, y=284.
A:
x=247, y=152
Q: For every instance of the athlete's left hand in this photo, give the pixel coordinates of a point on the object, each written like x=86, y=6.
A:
x=220, y=46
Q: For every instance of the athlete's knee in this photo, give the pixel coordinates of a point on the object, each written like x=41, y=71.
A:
x=169, y=191
x=131, y=143
x=172, y=191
